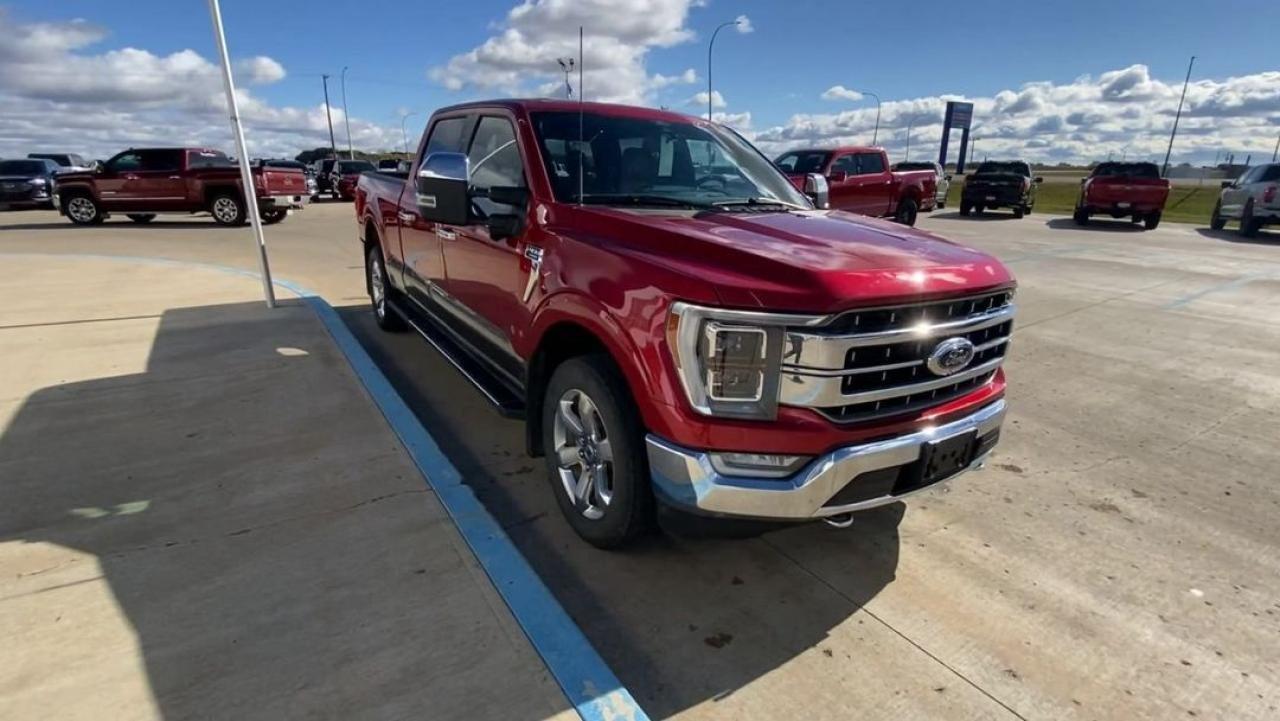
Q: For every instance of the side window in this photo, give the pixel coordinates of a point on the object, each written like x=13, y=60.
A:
x=846, y=163
x=1271, y=174
x=495, y=161
x=160, y=160
x=446, y=136
x=208, y=159
x=125, y=162
x=869, y=163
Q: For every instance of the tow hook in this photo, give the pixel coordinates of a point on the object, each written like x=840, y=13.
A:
x=840, y=520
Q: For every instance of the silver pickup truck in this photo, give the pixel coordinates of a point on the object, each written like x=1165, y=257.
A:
x=1253, y=199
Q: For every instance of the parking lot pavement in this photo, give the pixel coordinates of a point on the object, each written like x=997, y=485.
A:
x=202, y=515
x=1117, y=559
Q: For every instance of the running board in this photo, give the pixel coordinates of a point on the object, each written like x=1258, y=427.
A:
x=506, y=400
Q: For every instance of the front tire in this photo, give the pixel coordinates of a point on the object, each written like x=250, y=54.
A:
x=908, y=210
x=1019, y=211
x=227, y=209
x=594, y=446
x=1152, y=221
x=1216, y=221
x=141, y=218
x=380, y=292
x=1081, y=216
x=82, y=209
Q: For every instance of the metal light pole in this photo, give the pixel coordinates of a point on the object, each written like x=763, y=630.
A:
x=246, y=178
x=332, y=145
x=910, y=121
x=711, y=45
x=1277, y=149
x=404, y=134
x=1165, y=172
x=346, y=117
x=875, y=133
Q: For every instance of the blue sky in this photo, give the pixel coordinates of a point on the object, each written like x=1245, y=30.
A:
x=797, y=50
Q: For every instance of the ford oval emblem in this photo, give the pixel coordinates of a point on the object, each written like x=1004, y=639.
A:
x=950, y=356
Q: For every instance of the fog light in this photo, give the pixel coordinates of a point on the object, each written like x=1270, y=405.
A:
x=762, y=465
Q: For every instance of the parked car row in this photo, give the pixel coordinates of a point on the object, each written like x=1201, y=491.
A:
x=337, y=177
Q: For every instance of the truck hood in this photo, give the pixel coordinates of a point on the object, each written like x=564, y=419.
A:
x=811, y=261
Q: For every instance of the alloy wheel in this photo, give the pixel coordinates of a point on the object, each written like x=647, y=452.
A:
x=377, y=287
x=81, y=209
x=583, y=454
x=225, y=209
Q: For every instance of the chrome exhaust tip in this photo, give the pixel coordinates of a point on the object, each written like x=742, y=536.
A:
x=840, y=520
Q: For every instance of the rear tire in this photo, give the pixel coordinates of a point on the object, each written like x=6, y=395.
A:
x=1249, y=225
x=141, y=218
x=227, y=209
x=375, y=268
x=1019, y=211
x=273, y=216
x=595, y=452
x=82, y=209
x=1216, y=221
x=1152, y=221
x=977, y=209
x=1081, y=216
x=965, y=209
x=908, y=210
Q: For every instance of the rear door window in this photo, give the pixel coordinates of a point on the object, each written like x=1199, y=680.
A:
x=869, y=163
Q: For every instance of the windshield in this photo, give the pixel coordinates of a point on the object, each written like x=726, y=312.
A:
x=354, y=166
x=23, y=167
x=799, y=162
x=1127, y=170
x=1013, y=167
x=641, y=161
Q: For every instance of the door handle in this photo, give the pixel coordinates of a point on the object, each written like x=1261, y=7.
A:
x=130, y=176
x=175, y=177
x=405, y=217
x=446, y=234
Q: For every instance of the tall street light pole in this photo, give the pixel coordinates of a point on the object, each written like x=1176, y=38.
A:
x=346, y=117
x=1174, y=132
x=910, y=122
x=875, y=133
x=403, y=133
x=1277, y=149
x=711, y=45
x=246, y=178
x=332, y=145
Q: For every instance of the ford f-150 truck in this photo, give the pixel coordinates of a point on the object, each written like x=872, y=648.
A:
x=143, y=182
x=859, y=180
x=679, y=325
x=1253, y=199
x=1000, y=184
x=1123, y=190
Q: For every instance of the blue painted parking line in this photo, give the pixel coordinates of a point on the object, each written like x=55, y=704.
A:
x=587, y=681
x=1240, y=282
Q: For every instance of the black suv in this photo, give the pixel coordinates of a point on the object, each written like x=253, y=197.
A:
x=1000, y=184
x=323, y=169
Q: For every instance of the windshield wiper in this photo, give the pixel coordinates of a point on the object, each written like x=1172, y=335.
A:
x=757, y=202
x=640, y=199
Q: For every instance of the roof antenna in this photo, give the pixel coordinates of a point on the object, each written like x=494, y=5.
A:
x=580, y=131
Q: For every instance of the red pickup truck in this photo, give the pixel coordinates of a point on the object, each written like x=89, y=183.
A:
x=859, y=180
x=1133, y=190
x=144, y=182
x=677, y=323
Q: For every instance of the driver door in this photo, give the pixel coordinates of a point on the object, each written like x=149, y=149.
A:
x=843, y=189
x=118, y=171
x=484, y=279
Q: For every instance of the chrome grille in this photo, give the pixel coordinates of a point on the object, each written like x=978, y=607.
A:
x=871, y=363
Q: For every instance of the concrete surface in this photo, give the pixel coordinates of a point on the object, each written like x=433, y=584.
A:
x=202, y=515
x=1118, y=559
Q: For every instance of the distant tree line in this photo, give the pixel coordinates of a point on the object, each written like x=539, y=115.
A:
x=310, y=156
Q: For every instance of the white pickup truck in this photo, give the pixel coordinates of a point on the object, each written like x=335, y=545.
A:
x=1253, y=199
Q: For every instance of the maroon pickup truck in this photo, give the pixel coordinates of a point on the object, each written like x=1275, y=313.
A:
x=682, y=330
x=144, y=182
x=859, y=180
x=1123, y=190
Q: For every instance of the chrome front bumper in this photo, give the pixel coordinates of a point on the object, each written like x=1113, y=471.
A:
x=685, y=478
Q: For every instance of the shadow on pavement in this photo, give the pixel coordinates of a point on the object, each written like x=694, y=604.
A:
x=1105, y=225
x=1264, y=237
x=984, y=215
x=680, y=622
x=268, y=549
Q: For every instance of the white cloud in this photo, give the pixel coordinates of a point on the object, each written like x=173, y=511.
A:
x=1122, y=111
x=59, y=95
x=840, y=92
x=744, y=24
x=261, y=70
x=699, y=99
x=619, y=36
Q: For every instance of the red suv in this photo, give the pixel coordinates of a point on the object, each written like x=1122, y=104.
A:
x=679, y=324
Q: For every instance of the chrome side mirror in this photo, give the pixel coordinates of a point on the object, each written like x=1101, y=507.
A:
x=442, y=188
x=815, y=186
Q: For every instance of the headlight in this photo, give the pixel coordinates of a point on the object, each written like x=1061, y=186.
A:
x=729, y=361
x=38, y=181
